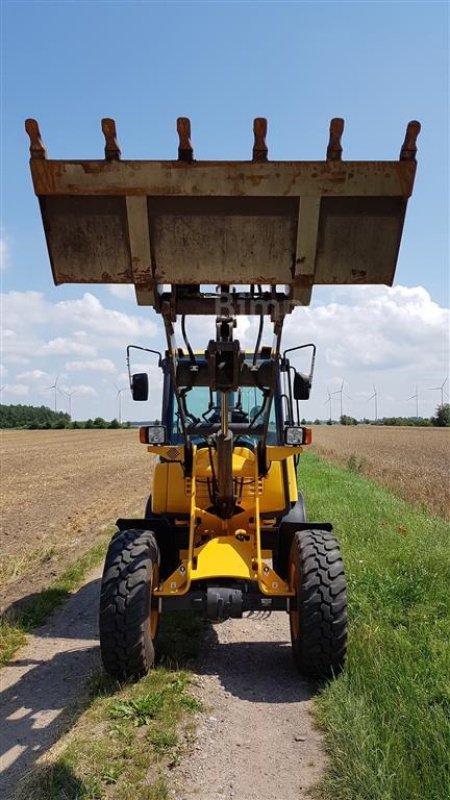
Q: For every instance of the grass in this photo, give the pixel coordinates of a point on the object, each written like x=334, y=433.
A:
x=34, y=611
x=130, y=736
x=387, y=718
x=18, y=565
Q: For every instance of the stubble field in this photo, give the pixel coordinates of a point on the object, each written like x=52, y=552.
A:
x=414, y=463
x=59, y=491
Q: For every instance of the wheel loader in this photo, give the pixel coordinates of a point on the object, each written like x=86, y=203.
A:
x=225, y=529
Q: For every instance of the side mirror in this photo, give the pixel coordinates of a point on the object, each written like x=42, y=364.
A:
x=302, y=386
x=139, y=386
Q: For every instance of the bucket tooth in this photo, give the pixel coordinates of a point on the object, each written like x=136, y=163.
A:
x=260, y=149
x=112, y=149
x=37, y=147
x=185, y=149
x=334, y=149
x=409, y=149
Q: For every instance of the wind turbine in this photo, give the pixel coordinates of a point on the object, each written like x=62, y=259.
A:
x=440, y=389
x=69, y=395
x=330, y=402
x=119, y=395
x=340, y=392
x=416, y=398
x=374, y=396
x=55, y=387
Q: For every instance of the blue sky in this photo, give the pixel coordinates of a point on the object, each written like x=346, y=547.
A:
x=377, y=64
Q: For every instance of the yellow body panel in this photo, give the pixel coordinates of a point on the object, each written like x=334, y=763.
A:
x=169, y=495
x=169, y=492
x=223, y=556
x=224, y=548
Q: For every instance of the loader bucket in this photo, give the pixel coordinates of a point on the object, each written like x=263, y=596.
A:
x=291, y=223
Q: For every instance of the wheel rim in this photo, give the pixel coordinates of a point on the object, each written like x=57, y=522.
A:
x=294, y=617
x=154, y=612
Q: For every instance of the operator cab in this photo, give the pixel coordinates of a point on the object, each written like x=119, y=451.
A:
x=203, y=406
x=259, y=410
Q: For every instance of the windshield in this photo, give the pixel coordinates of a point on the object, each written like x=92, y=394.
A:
x=204, y=415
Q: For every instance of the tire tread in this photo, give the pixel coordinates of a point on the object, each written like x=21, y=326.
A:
x=320, y=648
x=125, y=601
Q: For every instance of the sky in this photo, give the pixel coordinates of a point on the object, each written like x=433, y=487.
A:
x=377, y=64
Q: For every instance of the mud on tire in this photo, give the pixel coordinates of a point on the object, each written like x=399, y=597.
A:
x=128, y=621
x=318, y=616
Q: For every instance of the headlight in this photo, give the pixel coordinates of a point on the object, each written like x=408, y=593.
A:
x=297, y=436
x=152, y=434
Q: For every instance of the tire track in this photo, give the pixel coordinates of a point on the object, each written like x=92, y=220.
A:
x=256, y=738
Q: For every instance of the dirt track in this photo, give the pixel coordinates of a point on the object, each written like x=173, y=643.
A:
x=256, y=740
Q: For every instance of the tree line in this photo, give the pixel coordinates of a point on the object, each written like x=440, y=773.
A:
x=43, y=418
x=441, y=419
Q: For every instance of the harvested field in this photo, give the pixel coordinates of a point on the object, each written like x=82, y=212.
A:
x=412, y=462
x=59, y=490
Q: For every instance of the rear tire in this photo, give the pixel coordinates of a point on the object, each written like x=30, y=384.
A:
x=128, y=618
x=318, y=615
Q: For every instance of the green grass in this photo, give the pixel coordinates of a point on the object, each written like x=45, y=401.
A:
x=387, y=717
x=129, y=736
x=35, y=610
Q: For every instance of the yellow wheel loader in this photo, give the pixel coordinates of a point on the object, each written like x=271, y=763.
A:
x=225, y=529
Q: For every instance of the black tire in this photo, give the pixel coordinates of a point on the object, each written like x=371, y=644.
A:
x=318, y=615
x=128, y=619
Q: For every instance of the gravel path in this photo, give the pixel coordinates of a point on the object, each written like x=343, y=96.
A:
x=45, y=679
x=256, y=739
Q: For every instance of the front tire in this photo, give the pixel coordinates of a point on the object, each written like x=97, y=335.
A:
x=318, y=613
x=128, y=619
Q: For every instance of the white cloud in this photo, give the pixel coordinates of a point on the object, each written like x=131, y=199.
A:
x=382, y=329
x=97, y=364
x=16, y=389
x=83, y=316
x=91, y=314
x=123, y=291
x=34, y=375
x=62, y=346
x=25, y=308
